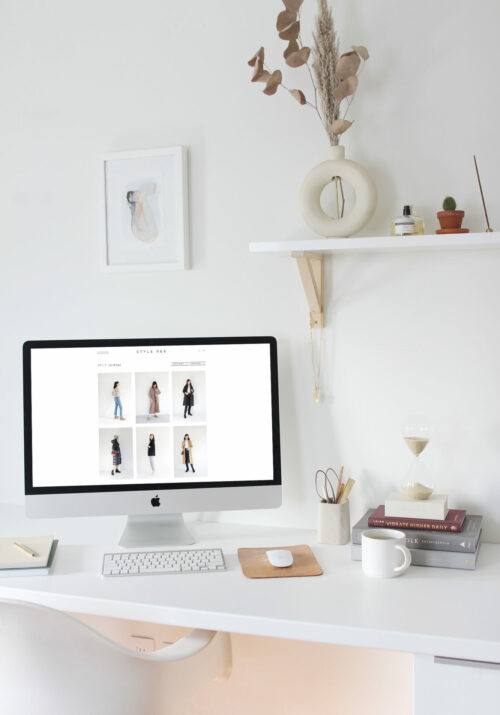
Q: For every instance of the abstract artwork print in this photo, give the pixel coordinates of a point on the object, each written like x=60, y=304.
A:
x=146, y=210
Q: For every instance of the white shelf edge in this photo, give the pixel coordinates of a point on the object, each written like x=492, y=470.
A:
x=381, y=244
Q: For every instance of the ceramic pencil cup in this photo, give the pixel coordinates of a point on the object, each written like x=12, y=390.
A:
x=334, y=525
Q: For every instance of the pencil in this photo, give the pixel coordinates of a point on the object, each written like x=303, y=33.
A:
x=26, y=549
x=340, y=485
x=346, y=491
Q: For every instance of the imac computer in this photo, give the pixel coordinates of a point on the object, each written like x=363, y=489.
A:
x=151, y=429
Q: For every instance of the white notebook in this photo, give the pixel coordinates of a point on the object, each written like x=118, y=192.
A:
x=11, y=557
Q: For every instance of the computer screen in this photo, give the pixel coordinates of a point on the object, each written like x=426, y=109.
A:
x=117, y=415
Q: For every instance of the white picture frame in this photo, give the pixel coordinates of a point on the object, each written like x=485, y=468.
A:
x=145, y=197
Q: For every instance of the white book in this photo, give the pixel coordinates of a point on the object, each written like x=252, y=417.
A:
x=434, y=507
x=14, y=557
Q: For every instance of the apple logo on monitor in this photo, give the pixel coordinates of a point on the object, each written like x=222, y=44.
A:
x=155, y=501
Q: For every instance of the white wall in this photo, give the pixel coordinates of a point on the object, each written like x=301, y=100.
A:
x=413, y=333
x=310, y=678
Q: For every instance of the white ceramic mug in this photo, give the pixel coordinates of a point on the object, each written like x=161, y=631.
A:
x=381, y=551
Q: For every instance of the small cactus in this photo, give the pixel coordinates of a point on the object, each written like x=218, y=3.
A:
x=449, y=204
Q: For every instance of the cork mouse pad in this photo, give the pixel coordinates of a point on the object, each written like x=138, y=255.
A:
x=254, y=563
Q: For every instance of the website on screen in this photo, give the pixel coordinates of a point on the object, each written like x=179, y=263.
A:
x=151, y=414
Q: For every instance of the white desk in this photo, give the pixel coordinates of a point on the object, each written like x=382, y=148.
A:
x=434, y=611
x=429, y=612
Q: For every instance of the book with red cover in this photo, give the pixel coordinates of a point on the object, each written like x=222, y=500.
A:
x=454, y=521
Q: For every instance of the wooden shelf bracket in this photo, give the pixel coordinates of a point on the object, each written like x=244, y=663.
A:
x=310, y=267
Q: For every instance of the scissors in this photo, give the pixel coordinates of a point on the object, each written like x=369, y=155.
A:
x=326, y=490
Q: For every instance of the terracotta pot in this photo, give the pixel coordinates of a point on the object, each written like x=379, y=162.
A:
x=450, y=219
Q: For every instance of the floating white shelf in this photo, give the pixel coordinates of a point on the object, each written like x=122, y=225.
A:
x=310, y=254
x=382, y=244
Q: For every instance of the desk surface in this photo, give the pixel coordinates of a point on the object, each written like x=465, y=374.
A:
x=434, y=611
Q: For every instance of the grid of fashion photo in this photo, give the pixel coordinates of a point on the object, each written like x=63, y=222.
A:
x=153, y=425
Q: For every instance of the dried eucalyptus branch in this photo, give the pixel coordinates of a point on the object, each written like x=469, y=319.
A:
x=326, y=57
x=336, y=76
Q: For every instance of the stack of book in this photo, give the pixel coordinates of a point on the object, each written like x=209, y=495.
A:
x=435, y=535
x=27, y=555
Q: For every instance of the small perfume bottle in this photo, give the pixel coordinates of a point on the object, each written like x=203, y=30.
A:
x=407, y=225
x=419, y=222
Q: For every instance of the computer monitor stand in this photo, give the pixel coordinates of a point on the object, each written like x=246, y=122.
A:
x=157, y=530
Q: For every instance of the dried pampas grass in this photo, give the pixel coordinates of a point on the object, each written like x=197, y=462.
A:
x=333, y=76
x=325, y=60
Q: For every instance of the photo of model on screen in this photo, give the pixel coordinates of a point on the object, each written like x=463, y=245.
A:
x=154, y=400
x=116, y=394
x=189, y=388
x=152, y=452
x=116, y=455
x=187, y=453
x=188, y=397
x=152, y=397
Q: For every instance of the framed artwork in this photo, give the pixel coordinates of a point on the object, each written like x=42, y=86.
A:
x=145, y=210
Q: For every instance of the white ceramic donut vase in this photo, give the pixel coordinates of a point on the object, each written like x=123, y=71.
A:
x=319, y=177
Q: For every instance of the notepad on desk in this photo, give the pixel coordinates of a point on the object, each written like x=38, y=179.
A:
x=26, y=555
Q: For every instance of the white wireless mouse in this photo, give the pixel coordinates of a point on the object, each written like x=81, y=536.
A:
x=280, y=557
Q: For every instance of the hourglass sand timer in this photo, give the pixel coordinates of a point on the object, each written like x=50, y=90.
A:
x=417, y=434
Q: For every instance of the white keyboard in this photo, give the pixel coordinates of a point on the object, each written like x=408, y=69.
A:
x=141, y=563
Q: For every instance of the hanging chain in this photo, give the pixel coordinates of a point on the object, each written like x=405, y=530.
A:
x=316, y=371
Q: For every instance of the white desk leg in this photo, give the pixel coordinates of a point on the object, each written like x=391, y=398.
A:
x=448, y=686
